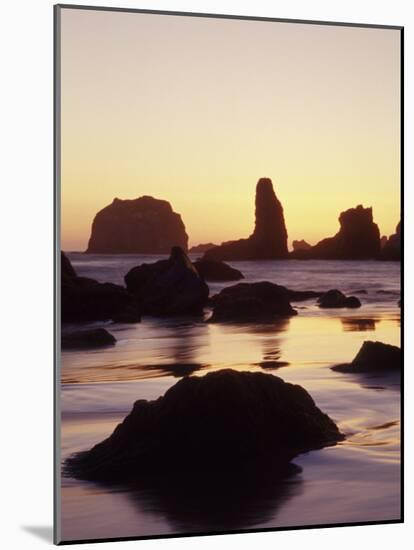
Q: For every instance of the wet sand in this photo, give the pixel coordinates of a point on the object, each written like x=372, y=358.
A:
x=357, y=480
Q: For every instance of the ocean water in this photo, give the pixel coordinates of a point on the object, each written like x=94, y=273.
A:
x=356, y=480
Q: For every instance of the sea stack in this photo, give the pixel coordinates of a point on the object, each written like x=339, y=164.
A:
x=301, y=245
x=391, y=249
x=357, y=239
x=139, y=226
x=269, y=238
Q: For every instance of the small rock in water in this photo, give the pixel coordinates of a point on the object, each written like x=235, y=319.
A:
x=217, y=422
x=92, y=338
x=247, y=302
x=374, y=357
x=212, y=270
x=168, y=287
x=336, y=299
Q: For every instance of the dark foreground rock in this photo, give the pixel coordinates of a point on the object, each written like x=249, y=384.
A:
x=67, y=271
x=247, y=302
x=168, y=287
x=93, y=338
x=336, y=299
x=215, y=422
x=374, y=357
x=140, y=226
x=212, y=270
x=269, y=238
x=84, y=299
x=357, y=239
x=260, y=301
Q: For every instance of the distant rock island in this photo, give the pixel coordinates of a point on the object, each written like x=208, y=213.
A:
x=357, y=239
x=301, y=245
x=269, y=238
x=201, y=248
x=139, y=226
x=391, y=246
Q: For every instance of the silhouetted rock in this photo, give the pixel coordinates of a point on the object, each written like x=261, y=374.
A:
x=215, y=422
x=140, y=226
x=275, y=296
x=391, y=250
x=168, y=287
x=201, y=248
x=301, y=245
x=93, y=338
x=336, y=299
x=212, y=270
x=269, y=238
x=66, y=268
x=84, y=300
x=374, y=357
x=251, y=302
x=272, y=365
x=384, y=240
x=357, y=239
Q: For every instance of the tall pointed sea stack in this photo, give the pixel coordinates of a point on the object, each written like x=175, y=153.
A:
x=269, y=238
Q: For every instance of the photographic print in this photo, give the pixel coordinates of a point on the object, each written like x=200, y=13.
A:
x=228, y=274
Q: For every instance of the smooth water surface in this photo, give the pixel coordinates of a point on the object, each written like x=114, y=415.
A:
x=357, y=480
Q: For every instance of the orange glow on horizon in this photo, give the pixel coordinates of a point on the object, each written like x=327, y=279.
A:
x=195, y=111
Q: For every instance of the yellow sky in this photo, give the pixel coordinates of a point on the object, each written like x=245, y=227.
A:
x=196, y=110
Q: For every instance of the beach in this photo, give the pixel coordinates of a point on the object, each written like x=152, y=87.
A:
x=357, y=480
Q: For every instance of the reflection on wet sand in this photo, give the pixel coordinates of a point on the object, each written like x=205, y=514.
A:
x=271, y=338
x=358, y=480
x=219, y=501
x=358, y=325
x=376, y=380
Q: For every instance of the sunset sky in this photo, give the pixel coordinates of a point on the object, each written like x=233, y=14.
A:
x=196, y=110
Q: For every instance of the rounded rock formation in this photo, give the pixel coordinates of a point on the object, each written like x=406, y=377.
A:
x=215, y=422
x=374, y=357
x=140, y=226
x=247, y=302
x=336, y=299
x=168, y=287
